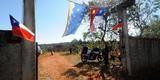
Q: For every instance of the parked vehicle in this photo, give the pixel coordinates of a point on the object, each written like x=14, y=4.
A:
x=94, y=54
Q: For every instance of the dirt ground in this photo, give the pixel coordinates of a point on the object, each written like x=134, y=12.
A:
x=52, y=67
x=62, y=66
x=66, y=67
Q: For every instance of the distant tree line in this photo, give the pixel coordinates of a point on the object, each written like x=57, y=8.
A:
x=75, y=45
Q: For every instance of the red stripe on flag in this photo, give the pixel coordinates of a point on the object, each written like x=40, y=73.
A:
x=16, y=32
x=117, y=26
x=93, y=13
x=20, y=32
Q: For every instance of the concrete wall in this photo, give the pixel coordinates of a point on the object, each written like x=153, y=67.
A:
x=144, y=55
x=10, y=57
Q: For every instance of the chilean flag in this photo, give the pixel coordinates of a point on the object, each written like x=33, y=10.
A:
x=20, y=30
x=119, y=25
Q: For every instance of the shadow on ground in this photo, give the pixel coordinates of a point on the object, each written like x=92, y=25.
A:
x=88, y=64
x=95, y=71
x=67, y=54
x=72, y=73
x=90, y=70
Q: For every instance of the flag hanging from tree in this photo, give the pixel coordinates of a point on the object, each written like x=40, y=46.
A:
x=102, y=11
x=21, y=31
x=119, y=25
x=93, y=12
x=75, y=16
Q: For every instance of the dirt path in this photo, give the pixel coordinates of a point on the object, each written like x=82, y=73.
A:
x=53, y=67
x=58, y=67
x=69, y=67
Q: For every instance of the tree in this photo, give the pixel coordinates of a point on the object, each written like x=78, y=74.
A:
x=104, y=30
x=141, y=14
x=76, y=45
x=153, y=30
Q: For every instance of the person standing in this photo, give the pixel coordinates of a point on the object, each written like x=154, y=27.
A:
x=50, y=50
x=70, y=50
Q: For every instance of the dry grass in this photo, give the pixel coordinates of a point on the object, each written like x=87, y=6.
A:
x=73, y=58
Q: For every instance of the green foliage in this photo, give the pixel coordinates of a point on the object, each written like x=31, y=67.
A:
x=87, y=36
x=153, y=30
x=103, y=27
x=142, y=13
x=102, y=34
x=44, y=49
x=76, y=45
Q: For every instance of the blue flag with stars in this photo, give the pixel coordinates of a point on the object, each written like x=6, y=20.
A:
x=75, y=17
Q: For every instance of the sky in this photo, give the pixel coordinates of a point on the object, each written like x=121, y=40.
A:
x=50, y=15
x=51, y=19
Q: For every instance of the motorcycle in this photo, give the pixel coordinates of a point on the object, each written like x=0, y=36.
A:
x=94, y=54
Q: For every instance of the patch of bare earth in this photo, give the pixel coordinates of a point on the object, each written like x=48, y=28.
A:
x=67, y=67
x=55, y=67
